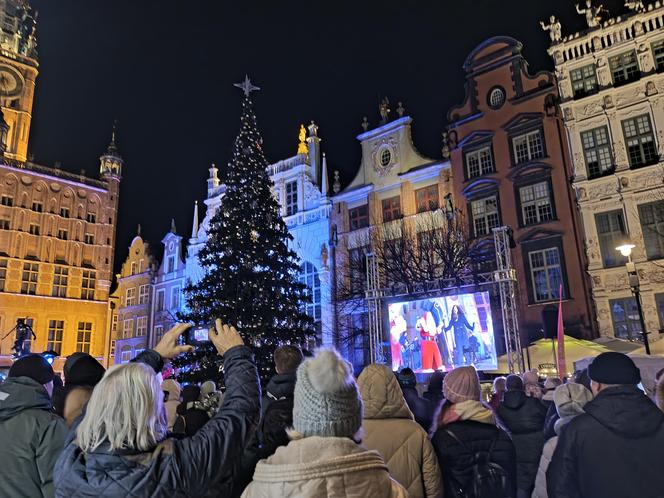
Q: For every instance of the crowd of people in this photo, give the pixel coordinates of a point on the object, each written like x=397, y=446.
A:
x=318, y=431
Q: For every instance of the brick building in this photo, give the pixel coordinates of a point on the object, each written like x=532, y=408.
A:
x=510, y=167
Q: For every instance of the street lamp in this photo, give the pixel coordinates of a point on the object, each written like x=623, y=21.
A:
x=626, y=250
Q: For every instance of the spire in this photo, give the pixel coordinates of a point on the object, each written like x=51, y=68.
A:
x=194, y=228
x=111, y=161
x=323, y=180
x=173, y=230
x=138, y=230
x=213, y=180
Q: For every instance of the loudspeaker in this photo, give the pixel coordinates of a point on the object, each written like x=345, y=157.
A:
x=550, y=321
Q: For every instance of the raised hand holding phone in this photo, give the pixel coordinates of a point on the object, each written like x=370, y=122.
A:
x=168, y=347
x=224, y=337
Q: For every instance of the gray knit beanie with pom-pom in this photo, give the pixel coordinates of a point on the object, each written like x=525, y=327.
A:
x=326, y=401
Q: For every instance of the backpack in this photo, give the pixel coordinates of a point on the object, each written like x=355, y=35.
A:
x=488, y=480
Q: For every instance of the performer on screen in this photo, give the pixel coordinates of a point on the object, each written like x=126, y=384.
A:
x=462, y=332
x=441, y=338
x=398, y=328
x=426, y=326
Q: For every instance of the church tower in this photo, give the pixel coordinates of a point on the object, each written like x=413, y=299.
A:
x=18, y=73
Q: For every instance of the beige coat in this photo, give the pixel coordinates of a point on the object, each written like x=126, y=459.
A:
x=323, y=467
x=389, y=428
x=545, y=460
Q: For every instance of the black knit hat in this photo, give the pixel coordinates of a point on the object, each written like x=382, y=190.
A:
x=614, y=368
x=33, y=366
x=83, y=370
x=514, y=383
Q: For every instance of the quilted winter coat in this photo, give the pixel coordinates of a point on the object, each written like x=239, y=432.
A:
x=323, y=467
x=390, y=429
x=183, y=468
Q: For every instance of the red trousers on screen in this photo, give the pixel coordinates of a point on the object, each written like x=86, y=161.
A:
x=430, y=355
x=397, y=362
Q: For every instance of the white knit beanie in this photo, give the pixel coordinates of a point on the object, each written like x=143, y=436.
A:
x=326, y=401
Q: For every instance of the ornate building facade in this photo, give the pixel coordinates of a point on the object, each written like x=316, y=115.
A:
x=511, y=166
x=611, y=81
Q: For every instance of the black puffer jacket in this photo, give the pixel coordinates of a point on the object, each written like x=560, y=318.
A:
x=613, y=450
x=277, y=413
x=456, y=461
x=422, y=408
x=523, y=418
x=174, y=468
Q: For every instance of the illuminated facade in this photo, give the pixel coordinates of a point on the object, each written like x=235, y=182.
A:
x=611, y=83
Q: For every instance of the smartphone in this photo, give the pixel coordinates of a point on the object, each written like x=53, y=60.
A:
x=199, y=334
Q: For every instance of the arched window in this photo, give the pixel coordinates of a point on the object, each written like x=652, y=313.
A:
x=309, y=277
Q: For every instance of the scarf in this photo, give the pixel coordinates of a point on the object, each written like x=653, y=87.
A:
x=468, y=410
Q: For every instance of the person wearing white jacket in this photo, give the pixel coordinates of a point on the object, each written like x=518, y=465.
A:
x=390, y=428
x=569, y=399
x=324, y=458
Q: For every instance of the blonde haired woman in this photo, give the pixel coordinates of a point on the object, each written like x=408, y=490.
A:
x=120, y=447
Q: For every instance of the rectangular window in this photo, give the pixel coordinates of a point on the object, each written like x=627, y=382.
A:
x=528, y=147
x=84, y=337
x=359, y=217
x=3, y=274
x=89, y=239
x=640, y=141
x=485, y=215
x=584, y=81
x=4, y=224
x=130, y=296
x=125, y=356
x=64, y=212
x=128, y=328
x=7, y=200
x=652, y=226
x=658, y=55
x=536, y=203
x=426, y=199
x=291, y=198
x=34, y=229
x=133, y=268
x=160, y=300
x=112, y=352
x=158, y=333
x=63, y=234
x=114, y=323
x=88, y=284
x=60, y=277
x=545, y=274
x=597, y=151
x=38, y=206
x=611, y=232
x=143, y=294
x=55, y=330
x=391, y=209
x=479, y=162
x=92, y=218
x=141, y=325
x=171, y=264
x=175, y=298
x=29, y=279
x=624, y=68
x=625, y=315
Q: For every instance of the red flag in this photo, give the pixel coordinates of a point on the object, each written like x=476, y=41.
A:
x=562, y=364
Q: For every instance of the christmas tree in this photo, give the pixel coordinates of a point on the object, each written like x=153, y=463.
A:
x=250, y=276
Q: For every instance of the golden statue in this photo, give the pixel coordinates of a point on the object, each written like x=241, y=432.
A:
x=302, y=147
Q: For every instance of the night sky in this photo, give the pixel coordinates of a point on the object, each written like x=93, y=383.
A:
x=165, y=70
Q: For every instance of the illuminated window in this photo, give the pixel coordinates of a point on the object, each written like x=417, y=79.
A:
x=7, y=200
x=171, y=264
x=391, y=209
x=125, y=355
x=485, y=215
x=624, y=68
x=64, y=212
x=89, y=238
x=130, y=296
x=357, y=261
x=385, y=157
x=60, y=278
x=426, y=198
x=4, y=224
x=584, y=80
x=88, y=284
x=133, y=268
x=611, y=232
x=55, y=330
x=114, y=323
x=63, y=234
x=128, y=328
x=309, y=277
x=640, y=141
x=479, y=162
x=29, y=279
x=38, y=206
x=3, y=274
x=545, y=274
x=359, y=217
x=528, y=147
x=158, y=333
x=497, y=98
x=161, y=300
x=658, y=54
x=175, y=298
x=92, y=218
x=84, y=337
x=625, y=316
x=141, y=325
x=143, y=294
x=597, y=151
x=291, y=198
x=536, y=203
x=652, y=226
x=34, y=229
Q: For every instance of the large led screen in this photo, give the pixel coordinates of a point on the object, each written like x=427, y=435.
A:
x=442, y=333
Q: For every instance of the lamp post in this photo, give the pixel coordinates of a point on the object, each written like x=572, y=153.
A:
x=626, y=250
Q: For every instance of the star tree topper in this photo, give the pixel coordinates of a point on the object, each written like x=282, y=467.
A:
x=246, y=86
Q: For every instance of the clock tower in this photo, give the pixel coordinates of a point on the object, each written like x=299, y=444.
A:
x=18, y=73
